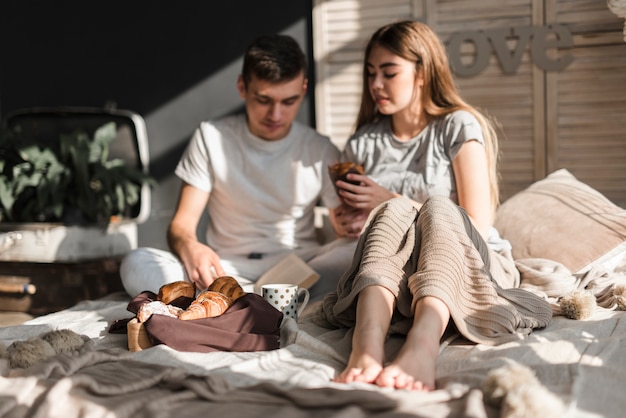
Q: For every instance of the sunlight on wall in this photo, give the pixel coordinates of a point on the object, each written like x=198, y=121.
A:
x=215, y=96
x=341, y=29
x=618, y=7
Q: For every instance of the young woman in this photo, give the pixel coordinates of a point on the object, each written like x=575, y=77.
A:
x=428, y=256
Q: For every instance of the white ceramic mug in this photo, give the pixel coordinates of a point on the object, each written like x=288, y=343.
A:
x=285, y=297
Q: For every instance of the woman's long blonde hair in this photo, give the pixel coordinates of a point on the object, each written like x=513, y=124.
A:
x=416, y=42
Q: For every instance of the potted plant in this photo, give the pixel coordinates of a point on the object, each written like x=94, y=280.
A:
x=71, y=181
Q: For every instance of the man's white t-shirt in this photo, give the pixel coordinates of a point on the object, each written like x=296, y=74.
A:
x=262, y=193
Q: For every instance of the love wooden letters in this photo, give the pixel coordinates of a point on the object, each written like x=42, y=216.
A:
x=543, y=41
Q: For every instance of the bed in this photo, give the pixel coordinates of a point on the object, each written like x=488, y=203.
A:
x=575, y=367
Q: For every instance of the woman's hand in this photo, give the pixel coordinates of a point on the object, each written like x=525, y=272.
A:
x=366, y=195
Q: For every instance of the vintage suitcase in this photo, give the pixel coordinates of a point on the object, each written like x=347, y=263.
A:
x=67, y=263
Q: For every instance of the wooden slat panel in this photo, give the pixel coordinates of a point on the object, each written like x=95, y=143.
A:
x=458, y=15
x=505, y=97
x=592, y=106
x=572, y=119
x=589, y=134
x=345, y=26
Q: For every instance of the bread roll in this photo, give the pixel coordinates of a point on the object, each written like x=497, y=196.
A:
x=172, y=291
x=208, y=304
x=340, y=171
x=228, y=286
x=157, y=307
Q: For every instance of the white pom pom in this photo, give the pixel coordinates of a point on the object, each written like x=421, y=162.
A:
x=501, y=381
x=579, y=304
x=619, y=294
x=531, y=401
x=519, y=394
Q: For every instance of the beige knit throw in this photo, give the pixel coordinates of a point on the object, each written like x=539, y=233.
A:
x=437, y=252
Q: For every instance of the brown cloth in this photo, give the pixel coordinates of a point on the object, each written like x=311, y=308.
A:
x=250, y=324
x=437, y=252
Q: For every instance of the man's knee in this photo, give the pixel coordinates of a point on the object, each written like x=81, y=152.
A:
x=145, y=269
x=132, y=261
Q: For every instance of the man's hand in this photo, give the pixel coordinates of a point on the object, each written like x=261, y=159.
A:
x=201, y=263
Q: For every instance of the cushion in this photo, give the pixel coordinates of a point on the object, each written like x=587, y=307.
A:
x=562, y=219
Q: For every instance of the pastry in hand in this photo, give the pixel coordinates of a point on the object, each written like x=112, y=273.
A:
x=157, y=307
x=207, y=304
x=340, y=171
x=229, y=286
x=172, y=291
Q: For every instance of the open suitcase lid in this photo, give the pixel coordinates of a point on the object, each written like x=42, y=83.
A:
x=130, y=145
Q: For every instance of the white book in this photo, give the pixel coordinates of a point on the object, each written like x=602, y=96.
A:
x=292, y=270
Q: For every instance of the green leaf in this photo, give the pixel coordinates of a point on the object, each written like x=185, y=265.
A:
x=38, y=182
x=103, y=138
x=29, y=153
x=132, y=193
x=21, y=183
x=121, y=200
x=6, y=195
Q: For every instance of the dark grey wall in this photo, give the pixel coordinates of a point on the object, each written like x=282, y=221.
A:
x=175, y=63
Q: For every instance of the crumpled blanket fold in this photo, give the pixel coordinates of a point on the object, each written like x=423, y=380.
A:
x=110, y=383
x=553, y=280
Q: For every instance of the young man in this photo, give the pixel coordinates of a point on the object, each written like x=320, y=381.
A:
x=259, y=175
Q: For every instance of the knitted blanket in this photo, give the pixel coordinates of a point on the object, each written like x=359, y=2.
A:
x=437, y=252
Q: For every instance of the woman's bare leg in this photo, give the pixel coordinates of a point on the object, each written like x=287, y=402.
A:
x=414, y=366
x=373, y=316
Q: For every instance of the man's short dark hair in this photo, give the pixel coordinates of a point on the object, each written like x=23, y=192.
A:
x=274, y=58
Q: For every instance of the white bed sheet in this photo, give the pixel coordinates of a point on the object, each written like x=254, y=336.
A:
x=582, y=362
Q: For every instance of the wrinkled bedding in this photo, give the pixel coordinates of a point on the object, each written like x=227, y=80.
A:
x=575, y=367
x=581, y=362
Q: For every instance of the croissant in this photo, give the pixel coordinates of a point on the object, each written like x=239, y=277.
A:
x=228, y=286
x=339, y=171
x=172, y=291
x=208, y=304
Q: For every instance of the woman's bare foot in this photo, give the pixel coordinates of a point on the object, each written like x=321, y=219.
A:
x=366, y=358
x=374, y=309
x=365, y=369
x=413, y=368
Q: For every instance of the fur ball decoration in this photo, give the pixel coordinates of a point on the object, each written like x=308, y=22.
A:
x=578, y=304
x=63, y=340
x=531, y=401
x=619, y=294
x=518, y=393
x=24, y=354
x=501, y=381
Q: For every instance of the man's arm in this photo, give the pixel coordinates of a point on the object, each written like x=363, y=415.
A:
x=201, y=262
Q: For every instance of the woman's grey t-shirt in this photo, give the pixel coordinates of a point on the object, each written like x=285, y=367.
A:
x=420, y=167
